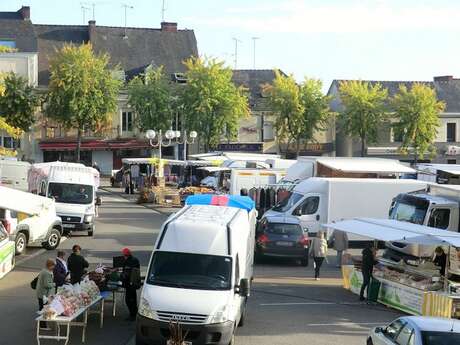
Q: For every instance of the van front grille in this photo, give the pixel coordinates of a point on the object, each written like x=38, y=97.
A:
x=184, y=318
x=70, y=219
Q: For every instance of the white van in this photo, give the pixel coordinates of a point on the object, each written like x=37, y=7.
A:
x=73, y=186
x=199, y=274
x=14, y=174
x=321, y=200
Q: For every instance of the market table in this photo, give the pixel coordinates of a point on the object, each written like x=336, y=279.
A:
x=71, y=321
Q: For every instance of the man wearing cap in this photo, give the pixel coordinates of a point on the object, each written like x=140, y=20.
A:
x=131, y=281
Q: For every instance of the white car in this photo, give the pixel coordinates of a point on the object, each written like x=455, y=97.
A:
x=417, y=330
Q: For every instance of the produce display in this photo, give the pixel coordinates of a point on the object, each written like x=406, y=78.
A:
x=412, y=279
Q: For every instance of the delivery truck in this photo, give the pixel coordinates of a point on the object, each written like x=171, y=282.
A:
x=200, y=272
x=320, y=200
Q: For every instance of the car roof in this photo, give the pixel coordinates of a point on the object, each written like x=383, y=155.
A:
x=434, y=324
x=282, y=219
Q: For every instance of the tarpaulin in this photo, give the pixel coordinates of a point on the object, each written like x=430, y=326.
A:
x=237, y=201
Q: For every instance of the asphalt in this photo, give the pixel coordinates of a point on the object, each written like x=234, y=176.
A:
x=287, y=305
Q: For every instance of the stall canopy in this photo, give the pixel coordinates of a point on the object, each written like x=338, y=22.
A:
x=152, y=161
x=214, y=169
x=243, y=202
x=365, y=165
x=393, y=230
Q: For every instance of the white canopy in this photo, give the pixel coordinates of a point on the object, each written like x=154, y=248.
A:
x=24, y=202
x=214, y=169
x=365, y=165
x=393, y=230
x=152, y=161
x=453, y=169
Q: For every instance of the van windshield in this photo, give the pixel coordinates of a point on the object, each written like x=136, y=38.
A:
x=190, y=271
x=286, y=204
x=71, y=193
x=409, y=209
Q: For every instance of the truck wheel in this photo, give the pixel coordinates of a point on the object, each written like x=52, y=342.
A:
x=53, y=240
x=91, y=232
x=243, y=315
x=20, y=243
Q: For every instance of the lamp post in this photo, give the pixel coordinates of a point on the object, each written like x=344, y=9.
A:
x=192, y=135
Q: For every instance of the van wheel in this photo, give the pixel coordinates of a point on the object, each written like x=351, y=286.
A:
x=53, y=240
x=20, y=243
x=243, y=316
x=91, y=232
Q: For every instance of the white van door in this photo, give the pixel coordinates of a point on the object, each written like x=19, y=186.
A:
x=309, y=213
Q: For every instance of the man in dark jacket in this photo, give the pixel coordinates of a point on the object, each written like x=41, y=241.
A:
x=367, y=269
x=60, y=270
x=76, y=264
x=440, y=260
x=131, y=282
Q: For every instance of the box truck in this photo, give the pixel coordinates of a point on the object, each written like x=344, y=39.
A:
x=321, y=200
x=200, y=272
x=73, y=186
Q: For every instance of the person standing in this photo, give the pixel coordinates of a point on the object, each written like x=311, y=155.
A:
x=131, y=282
x=319, y=252
x=76, y=265
x=60, y=271
x=367, y=268
x=440, y=260
x=339, y=240
x=45, y=285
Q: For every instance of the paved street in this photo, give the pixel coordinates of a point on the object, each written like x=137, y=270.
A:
x=287, y=306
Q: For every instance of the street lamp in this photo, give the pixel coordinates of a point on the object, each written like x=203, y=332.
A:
x=170, y=135
x=185, y=141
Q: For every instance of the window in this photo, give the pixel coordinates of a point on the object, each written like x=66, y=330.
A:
x=127, y=121
x=397, y=135
x=451, y=161
x=8, y=142
x=405, y=335
x=440, y=338
x=286, y=204
x=8, y=43
x=309, y=206
x=392, y=331
x=451, y=132
x=284, y=229
x=439, y=218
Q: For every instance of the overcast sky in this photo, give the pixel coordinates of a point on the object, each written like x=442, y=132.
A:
x=327, y=39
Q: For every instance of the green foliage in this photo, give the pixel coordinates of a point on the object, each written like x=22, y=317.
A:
x=82, y=89
x=417, y=110
x=212, y=104
x=18, y=102
x=150, y=96
x=364, y=110
x=301, y=110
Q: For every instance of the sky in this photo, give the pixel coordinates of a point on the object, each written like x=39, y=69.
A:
x=325, y=39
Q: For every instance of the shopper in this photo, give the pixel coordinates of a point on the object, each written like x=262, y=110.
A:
x=319, y=252
x=61, y=271
x=339, y=241
x=45, y=285
x=367, y=268
x=131, y=282
x=440, y=260
x=76, y=265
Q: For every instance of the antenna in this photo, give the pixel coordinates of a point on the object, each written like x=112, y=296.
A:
x=163, y=10
x=236, y=50
x=126, y=15
x=83, y=11
x=254, y=39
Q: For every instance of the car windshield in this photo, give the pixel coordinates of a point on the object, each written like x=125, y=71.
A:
x=284, y=229
x=286, y=204
x=190, y=271
x=71, y=193
x=440, y=338
x=409, y=210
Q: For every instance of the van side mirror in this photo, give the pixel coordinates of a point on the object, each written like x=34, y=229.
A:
x=379, y=330
x=244, y=289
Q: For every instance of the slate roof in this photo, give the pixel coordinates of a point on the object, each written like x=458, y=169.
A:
x=133, y=51
x=447, y=91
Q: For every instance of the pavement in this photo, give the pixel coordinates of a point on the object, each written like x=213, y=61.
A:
x=287, y=305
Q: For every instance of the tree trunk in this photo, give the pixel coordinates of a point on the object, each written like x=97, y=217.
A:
x=363, y=146
x=78, y=145
x=415, y=157
x=297, y=147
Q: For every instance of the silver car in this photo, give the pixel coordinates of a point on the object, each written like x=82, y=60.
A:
x=417, y=330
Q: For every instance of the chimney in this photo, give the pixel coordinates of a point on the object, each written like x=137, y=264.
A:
x=168, y=27
x=25, y=12
x=445, y=78
x=91, y=30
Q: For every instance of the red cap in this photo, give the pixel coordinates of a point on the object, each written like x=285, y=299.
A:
x=126, y=252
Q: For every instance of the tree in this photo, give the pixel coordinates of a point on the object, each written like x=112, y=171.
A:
x=82, y=89
x=4, y=126
x=150, y=96
x=18, y=102
x=212, y=104
x=417, y=111
x=364, y=110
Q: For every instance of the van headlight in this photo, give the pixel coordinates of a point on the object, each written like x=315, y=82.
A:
x=145, y=310
x=88, y=218
x=220, y=315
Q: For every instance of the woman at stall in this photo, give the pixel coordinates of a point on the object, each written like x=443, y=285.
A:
x=45, y=285
x=319, y=252
x=440, y=260
x=76, y=265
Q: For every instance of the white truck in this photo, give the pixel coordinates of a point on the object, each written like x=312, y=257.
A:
x=73, y=186
x=320, y=200
x=199, y=273
x=13, y=174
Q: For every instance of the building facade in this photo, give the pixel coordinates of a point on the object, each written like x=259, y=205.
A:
x=132, y=49
x=448, y=137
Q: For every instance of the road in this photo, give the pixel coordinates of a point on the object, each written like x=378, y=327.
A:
x=286, y=307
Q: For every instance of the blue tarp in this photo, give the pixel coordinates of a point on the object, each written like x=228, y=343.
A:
x=237, y=201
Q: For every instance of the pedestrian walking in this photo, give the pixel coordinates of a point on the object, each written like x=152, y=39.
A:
x=131, y=280
x=367, y=269
x=60, y=272
x=76, y=265
x=45, y=285
x=339, y=241
x=318, y=252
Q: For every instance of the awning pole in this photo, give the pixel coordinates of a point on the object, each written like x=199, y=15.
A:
x=446, y=271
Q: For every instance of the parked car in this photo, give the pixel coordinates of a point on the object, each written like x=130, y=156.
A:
x=417, y=330
x=280, y=236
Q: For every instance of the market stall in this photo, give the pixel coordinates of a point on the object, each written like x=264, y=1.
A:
x=414, y=289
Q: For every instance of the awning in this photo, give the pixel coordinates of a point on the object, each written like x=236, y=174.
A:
x=452, y=169
x=214, y=169
x=68, y=145
x=365, y=165
x=19, y=201
x=152, y=161
x=393, y=230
